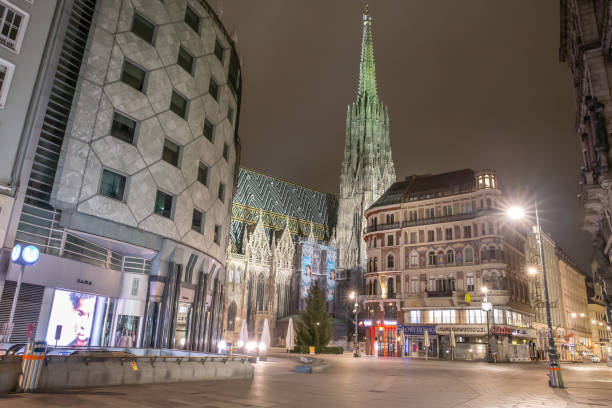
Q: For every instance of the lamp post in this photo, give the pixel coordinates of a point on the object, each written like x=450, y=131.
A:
x=555, y=380
x=22, y=256
x=353, y=295
x=486, y=306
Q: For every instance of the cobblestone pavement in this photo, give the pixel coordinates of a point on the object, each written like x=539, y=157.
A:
x=363, y=382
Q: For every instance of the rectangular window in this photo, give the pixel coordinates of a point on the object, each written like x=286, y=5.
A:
x=421, y=236
x=439, y=234
x=226, y=151
x=185, y=60
x=203, y=174
x=389, y=240
x=197, y=221
x=209, y=130
x=133, y=76
x=469, y=283
x=415, y=316
x=12, y=25
x=430, y=236
x=217, y=236
x=414, y=285
x=143, y=28
x=192, y=19
x=123, y=128
x=6, y=74
x=449, y=234
x=413, y=237
x=171, y=153
x=219, y=51
x=221, y=192
x=163, y=204
x=213, y=89
x=498, y=316
x=467, y=232
x=178, y=105
x=112, y=185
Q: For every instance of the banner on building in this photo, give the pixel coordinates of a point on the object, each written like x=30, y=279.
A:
x=306, y=276
x=331, y=280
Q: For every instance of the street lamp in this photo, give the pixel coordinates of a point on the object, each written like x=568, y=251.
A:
x=555, y=380
x=352, y=296
x=487, y=306
x=22, y=256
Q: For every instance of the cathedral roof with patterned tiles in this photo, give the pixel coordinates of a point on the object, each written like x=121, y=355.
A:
x=281, y=201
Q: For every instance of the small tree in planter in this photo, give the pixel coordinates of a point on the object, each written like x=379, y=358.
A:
x=315, y=328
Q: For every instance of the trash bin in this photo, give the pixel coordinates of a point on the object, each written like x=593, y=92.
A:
x=31, y=365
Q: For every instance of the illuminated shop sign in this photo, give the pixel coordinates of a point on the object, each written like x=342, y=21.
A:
x=367, y=323
x=473, y=329
x=419, y=330
x=390, y=322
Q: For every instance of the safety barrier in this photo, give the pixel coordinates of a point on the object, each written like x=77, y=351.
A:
x=60, y=372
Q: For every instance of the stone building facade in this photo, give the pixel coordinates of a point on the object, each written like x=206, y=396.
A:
x=585, y=41
x=24, y=28
x=433, y=242
x=274, y=222
x=600, y=325
x=367, y=168
x=129, y=173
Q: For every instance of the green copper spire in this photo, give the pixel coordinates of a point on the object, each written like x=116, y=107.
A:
x=367, y=70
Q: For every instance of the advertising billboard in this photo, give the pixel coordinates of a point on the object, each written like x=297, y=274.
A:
x=306, y=276
x=71, y=318
x=331, y=280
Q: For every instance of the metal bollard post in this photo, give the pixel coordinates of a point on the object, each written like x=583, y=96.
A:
x=31, y=365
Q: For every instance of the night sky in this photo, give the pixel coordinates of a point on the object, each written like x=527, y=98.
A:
x=468, y=83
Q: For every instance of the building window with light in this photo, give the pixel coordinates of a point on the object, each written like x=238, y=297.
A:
x=468, y=254
x=415, y=316
x=469, y=283
x=414, y=259
x=6, y=74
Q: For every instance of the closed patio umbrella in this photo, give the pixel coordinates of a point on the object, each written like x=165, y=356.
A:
x=290, y=337
x=426, y=343
x=244, y=335
x=264, y=342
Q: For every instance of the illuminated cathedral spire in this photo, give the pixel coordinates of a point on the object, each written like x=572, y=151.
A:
x=367, y=169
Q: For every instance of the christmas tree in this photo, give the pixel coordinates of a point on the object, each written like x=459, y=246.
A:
x=315, y=328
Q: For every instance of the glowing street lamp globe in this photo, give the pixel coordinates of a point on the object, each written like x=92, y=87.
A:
x=532, y=270
x=515, y=213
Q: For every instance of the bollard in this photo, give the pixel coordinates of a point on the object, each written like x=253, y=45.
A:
x=31, y=365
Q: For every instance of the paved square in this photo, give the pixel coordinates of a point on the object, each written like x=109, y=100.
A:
x=363, y=382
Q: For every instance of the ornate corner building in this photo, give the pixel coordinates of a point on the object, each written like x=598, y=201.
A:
x=585, y=44
x=367, y=169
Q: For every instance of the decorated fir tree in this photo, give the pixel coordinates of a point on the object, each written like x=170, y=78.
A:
x=315, y=328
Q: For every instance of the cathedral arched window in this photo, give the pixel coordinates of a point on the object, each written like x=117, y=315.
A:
x=260, y=293
x=237, y=276
x=231, y=317
x=230, y=276
x=492, y=253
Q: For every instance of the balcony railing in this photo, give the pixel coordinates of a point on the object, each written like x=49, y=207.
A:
x=382, y=227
